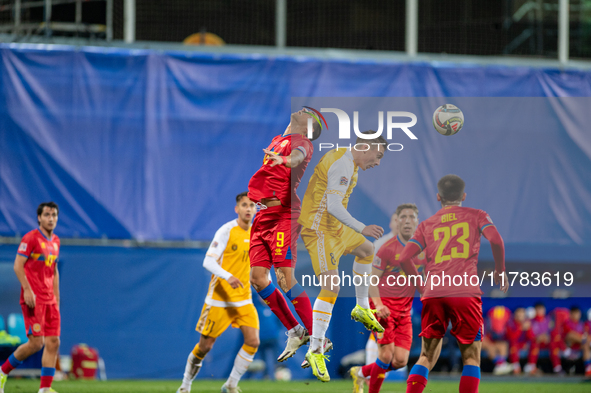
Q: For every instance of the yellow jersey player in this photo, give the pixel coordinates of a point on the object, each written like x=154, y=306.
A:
x=329, y=232
x=228, y=300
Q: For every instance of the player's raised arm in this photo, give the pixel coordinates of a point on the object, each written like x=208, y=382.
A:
x=498, y=249
x=213, y=255
x=339, y=176
x=410, y=251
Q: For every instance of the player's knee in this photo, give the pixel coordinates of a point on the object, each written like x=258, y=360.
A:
x=252, y=342
x=365, y=250
x=52, y=343
x=399, y=362
x=36, y=343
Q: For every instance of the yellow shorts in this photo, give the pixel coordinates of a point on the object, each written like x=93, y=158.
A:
x=326, y=248
x=215, y=320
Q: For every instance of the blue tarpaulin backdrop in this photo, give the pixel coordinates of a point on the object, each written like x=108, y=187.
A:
x=151, y=145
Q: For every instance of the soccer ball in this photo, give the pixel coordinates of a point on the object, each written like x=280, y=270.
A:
x=448, y=119
x=282, y=374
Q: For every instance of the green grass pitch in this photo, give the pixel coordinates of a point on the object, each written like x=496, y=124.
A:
x=339, y=386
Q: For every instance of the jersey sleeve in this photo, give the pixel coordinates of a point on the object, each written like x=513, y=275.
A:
x=219, y=243
x=304, y=146
x=419, y=237
x=381, y=259
x=484, y=220
x=26, y=247
x=338, y=177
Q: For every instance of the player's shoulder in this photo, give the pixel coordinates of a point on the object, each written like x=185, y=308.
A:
x=389, y=246
x=474, y=212
x=225, y=229
x=339, y=157
x=31, y=235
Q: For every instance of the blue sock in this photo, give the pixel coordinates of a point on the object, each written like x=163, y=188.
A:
x=265, y=293
x=417, y=369
x=47, y=371
x=294, y=292
x=471, y=371
x=14, y=361
x=587, y=362
x=382, y=365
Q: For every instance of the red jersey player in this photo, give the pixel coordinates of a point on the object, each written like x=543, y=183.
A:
x=451, y=241
x=36, y=269
x=392, y=300
x=275, y=229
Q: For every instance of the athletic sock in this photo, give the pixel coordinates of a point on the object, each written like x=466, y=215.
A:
x=301, y=302
x=362, y=268
x=321, y=313
x=11, y=364
x=378, y=373
x=588, y=366
x=275, y=300
x=365, y=371
x=47, y=374
x=192, y=367
x=417, y=379
x=500, y=359
x=470, y=379
x=243, y=359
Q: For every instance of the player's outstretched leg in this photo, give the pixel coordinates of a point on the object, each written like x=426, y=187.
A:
x=243, y=360
x=358, y=379
x=191, y=369
x=7, y=367
x=362, y=268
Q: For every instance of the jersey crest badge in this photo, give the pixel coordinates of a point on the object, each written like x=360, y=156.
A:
x=234, y=247
x=344, y=181
x=284, y=143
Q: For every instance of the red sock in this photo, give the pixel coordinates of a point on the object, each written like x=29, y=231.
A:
x=470, y=379
x=46, y=382
x=415, y=383
x=10, y=364
x=378, y=373
x=303, y=307
x=469, y=384
x=47, y=374
x=366, y=370
x=278, y=305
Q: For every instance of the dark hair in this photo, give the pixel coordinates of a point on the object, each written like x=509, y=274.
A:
x=539, y=304
x=375, y=139
x=451, y=188
x=407, y=206
x=575, y=308
x=51, y=205
x=316, y=130
x=240, y=196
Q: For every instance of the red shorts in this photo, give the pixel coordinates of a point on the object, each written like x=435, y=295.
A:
x=273, y=238
x=43, y=320
x=465, y=314
x=397, y=330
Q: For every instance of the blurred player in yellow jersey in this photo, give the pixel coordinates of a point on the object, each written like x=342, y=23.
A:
x=329, y=232
x=229, y=300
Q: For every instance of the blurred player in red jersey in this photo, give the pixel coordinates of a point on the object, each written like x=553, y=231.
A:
x=587, y=346
x=519, y=335
x=495, y=341
x=36, y=269
x=451, y=242
x=543, y=337
x=275, y=229
x=392, y=300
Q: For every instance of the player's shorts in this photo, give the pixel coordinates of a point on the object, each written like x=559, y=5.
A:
x=215, y=320
x=327, y=248
x=43, y=320
x=465, y=314
x=397, y=330
x=273, y=238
